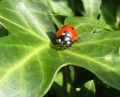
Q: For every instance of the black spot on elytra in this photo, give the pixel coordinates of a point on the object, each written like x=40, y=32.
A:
x=72, y=28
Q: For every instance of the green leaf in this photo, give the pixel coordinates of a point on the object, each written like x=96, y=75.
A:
x=56, y=21
x=22, y=71
x=117, y=24
x=97, y=51
x=59, y=78
x=108, y=11
x=87, y=25
x=92, y=7
x=76, y=6
x=60, y=7
x=3, y=31
x=29, y=60
x=88, y=90
x=56, y=90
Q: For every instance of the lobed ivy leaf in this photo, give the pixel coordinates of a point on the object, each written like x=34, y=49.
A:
x=29, y=60
x=98, y=50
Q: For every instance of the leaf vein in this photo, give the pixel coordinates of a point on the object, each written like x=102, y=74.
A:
x=98, y=41
x=21, y=63
x=21, y=27
x=92, y=60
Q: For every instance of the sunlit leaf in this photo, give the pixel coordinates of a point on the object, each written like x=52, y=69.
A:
x=92, y=7
x=88, y=90
x=60, y=7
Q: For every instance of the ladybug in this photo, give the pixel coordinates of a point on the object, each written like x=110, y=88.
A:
x=66, y=35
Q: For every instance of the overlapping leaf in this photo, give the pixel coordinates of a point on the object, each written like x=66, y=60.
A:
x=92, y=7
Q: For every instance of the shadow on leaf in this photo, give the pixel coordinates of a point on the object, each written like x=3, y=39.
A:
x=3, y=31
x=52, y=37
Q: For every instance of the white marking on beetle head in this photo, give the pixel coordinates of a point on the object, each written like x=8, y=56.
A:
x=68, y=42
x=59, y=40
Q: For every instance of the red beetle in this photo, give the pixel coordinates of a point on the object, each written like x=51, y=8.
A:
x=66, y=35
